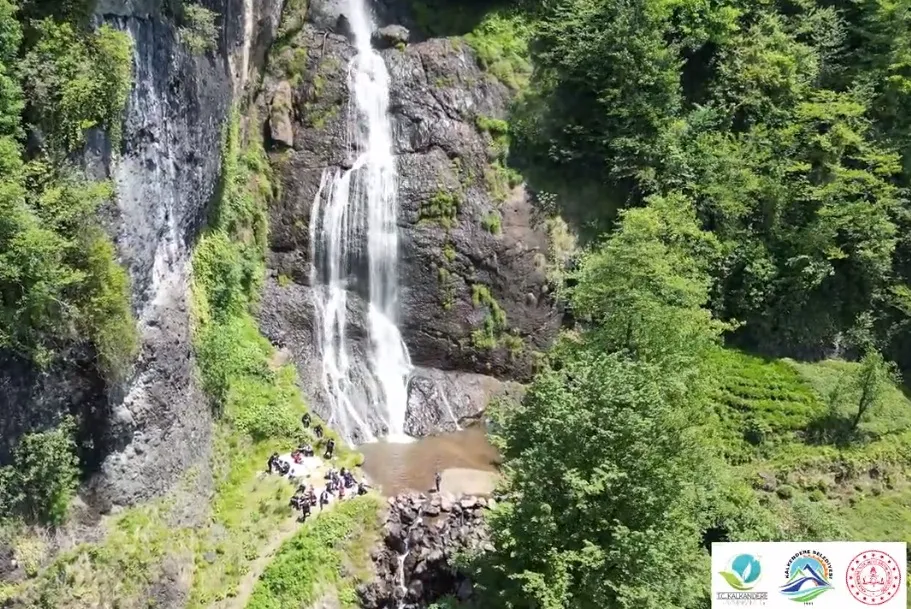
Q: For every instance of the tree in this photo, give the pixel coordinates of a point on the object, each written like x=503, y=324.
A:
x=606, y=477
x=872, y=379
x=644, y=289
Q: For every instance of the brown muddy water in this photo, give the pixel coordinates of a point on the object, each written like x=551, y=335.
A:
x=466, y=459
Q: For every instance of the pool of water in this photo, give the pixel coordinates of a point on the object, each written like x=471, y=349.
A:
x=466, y=459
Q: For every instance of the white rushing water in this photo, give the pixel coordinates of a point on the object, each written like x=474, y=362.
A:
x=350, y=205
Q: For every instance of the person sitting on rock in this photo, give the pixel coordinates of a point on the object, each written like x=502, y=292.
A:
x=341, y=492
x=272, y=463
x=305, y=420
x=284, y=467
x=306, y=450
x=318, y=430
x=297, y=457
x=330, y=448
x=311, y=495
x=362, y=488
x=330, y=474
x=323, y=498
x=349, y=480
x=296, y=501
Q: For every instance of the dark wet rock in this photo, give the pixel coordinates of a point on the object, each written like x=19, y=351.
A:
x=437, y=93
x=428, y=574
x=145, y=432
x=440, y=401
x=390, y=36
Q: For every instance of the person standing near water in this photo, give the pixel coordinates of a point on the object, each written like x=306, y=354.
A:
x=437, y=479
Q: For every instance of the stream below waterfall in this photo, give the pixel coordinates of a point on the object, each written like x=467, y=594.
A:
x=466, y=458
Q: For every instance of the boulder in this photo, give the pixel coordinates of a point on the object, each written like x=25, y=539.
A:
x=281, y=130
x=390, y=36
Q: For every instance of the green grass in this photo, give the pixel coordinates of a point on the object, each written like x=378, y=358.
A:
x=768, y=410
x=329, y=556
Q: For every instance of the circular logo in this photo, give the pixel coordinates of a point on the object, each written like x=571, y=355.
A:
x=743, y=572
x=873, y=577
x=807, y=575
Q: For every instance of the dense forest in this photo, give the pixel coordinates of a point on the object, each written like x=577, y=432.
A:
x=740, y=172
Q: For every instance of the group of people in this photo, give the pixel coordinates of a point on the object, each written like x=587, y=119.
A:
x=337, y=482
x=305, y=498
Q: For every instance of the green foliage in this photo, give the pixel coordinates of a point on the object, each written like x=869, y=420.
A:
x=336, y=542
x=871, y=382
x=489, y=335
x=76, y=81
x=491, y=223
x=236, y=362
x=500, y=41
x=43, y=476
x=779, y=124
x=442, y=208
x=646, y=286
x=198, y=30
x=603, y=523
x=292, y=20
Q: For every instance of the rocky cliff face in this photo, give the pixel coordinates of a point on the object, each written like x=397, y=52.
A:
x=146, y=432
x=414, y=564
x=474, y=293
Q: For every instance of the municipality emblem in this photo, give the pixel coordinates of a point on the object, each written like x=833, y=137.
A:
x=742, y=572
x=873, y=577
x=808, y=575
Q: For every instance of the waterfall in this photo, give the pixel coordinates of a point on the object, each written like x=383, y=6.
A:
x=354, y=208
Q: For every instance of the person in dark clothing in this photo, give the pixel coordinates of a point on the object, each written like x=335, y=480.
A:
x=323, y=499
x=318, y=430
x=272, y=463
x=305, y=511
x=330, y=485
x=306, y=450
x=330, y=448
x=284, y=467
x=349, y=480
x=437, y=479
x=311, y=495
x=361, y=488
x=306, y=420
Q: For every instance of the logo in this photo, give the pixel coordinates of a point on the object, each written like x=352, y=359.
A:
x=743, y=572
x=808, y=575
x=873, y=577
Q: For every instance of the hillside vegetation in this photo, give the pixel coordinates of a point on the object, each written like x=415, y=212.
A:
x=739, y=172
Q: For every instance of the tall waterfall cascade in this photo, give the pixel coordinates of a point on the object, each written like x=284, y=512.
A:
x=353, y=225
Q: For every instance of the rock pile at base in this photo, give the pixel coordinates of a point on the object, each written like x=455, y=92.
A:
x=427, y=531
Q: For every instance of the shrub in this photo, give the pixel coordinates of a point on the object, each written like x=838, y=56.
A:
x=785, y=491
x=75, y=81
x=43, y=476
x=501, y=44
x=442, y=208
x=198, y=31
x=491, y=223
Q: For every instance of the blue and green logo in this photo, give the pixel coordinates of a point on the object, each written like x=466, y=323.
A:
x=808, y=575
x=743, y=572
